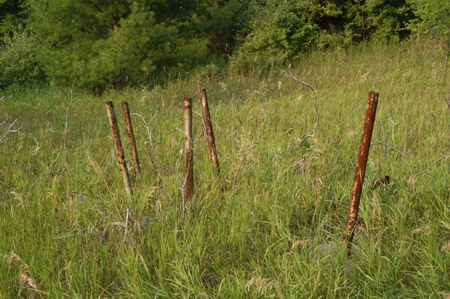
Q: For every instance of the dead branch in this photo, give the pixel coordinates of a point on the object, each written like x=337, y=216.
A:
x=316, y=108
x=10, y=129
x=151, y=154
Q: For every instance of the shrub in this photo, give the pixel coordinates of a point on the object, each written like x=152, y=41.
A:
x=116, y=43
x=18, y=63
x=283, y=30
x=433, y=17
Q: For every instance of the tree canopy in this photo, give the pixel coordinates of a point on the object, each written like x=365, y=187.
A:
x=97, y=43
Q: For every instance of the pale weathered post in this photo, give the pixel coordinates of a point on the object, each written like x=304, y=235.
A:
x=118, y=147
x=209, y=130
x=131, y=139
x=188, y=185
x=358, y=180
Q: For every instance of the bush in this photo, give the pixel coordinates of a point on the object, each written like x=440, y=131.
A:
x=282, y=30
x=433, y=17
x=115, y=43
x=18, y=63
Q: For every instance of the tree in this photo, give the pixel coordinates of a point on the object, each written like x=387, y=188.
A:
x=433, y=17
x=18, y=63
x=13, y=14
x=282, y=30
x=95, y=43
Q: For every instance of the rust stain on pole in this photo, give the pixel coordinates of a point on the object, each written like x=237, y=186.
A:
x=118, y=146
x=209, y=130
x=360, y=168
x=131, y=139
x=188, y=186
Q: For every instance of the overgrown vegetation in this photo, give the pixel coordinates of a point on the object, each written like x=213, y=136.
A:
x=69, y=231
x=100, y=44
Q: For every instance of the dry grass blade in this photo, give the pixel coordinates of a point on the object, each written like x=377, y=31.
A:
x=26, y=280
x=446, y=246
x=300, y=244
x=445, y=295
x=260, y=285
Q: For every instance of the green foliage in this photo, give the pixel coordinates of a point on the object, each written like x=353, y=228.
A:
x=282, y=30
x=433, y=18
x=221, y=23
x=18, y=63
x=94, y=44
x=13, y=14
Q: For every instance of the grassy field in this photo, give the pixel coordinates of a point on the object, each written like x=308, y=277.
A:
x=277, y=231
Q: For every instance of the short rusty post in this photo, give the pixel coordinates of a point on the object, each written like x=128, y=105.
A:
x=131, y=139
x=209, y=130
x=188, y=185
x=118, y=146
x=360, y=169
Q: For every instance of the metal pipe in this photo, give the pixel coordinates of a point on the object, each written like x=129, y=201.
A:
x=358, y=180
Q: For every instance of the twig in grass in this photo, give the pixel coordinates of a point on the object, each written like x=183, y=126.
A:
x=384, y=137
x=10, y=129
x=105, y=232
x=242, y=160
x=387, y=146
x=200, y=135
x=66, y=123
x=403, y=153
x=150, y=152
x=36, y=148
x=393, y=127
x=316, y=108
x=126, y=224
x=65, y=131
x=443, y=158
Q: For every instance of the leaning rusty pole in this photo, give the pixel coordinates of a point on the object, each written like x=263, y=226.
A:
x=206, y=116
x=188, y=184
x=358, y=180
x=118, y=147
x=131, y=139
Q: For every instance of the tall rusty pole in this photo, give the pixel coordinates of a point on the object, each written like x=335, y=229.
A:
x=131, y=139
x=358, y=180
x=118, y=147
x=209, y=130
x=188, y=185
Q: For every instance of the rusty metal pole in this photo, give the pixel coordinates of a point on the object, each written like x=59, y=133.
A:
x=118, y=147
x=131, y=139
x=209, y=130
x=188, y=185
x=358, y=180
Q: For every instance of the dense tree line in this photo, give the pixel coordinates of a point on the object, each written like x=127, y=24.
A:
x=98, y=43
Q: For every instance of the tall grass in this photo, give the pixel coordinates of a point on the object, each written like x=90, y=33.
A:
x=277, y=232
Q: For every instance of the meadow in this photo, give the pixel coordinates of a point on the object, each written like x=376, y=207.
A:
x=277, y=230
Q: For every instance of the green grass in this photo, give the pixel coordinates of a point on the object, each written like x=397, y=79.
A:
x=61, y=190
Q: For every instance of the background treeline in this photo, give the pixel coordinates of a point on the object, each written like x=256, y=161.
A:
x=97, y=44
